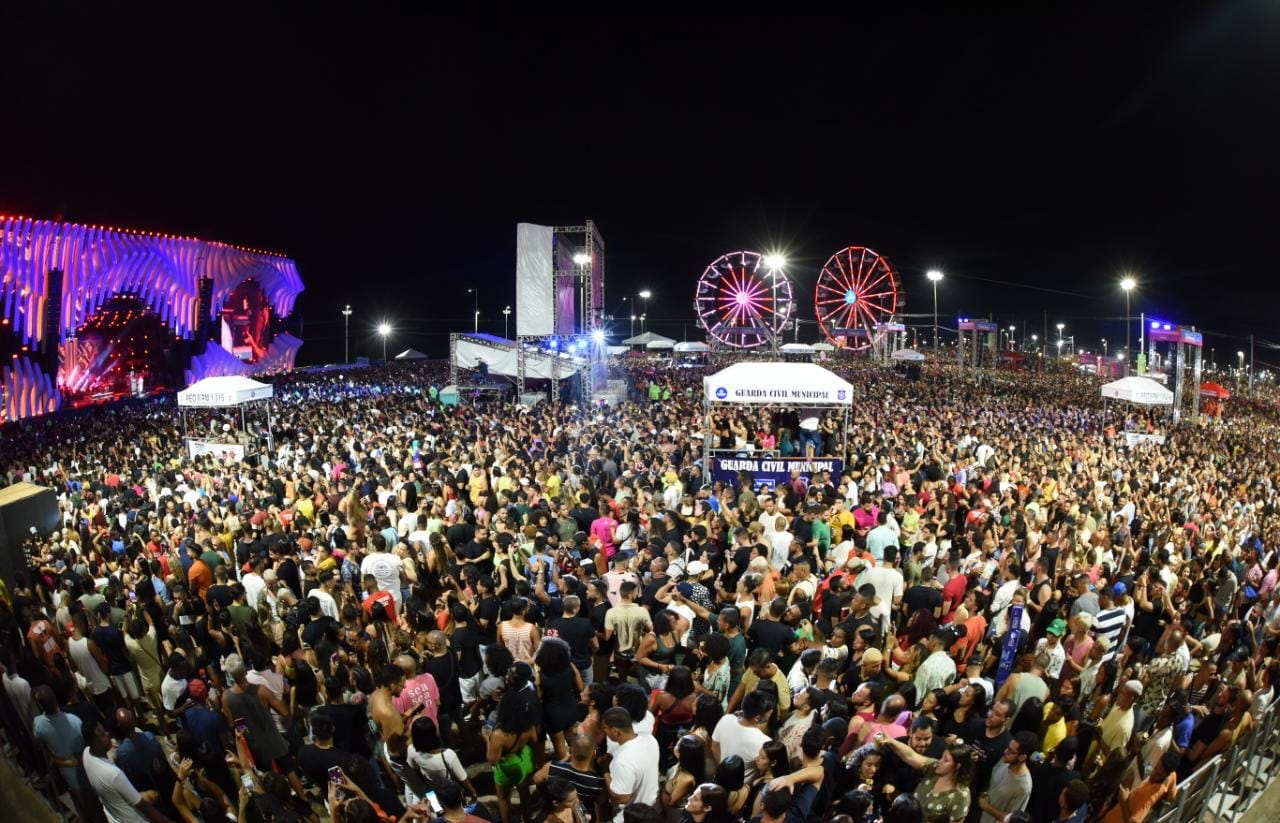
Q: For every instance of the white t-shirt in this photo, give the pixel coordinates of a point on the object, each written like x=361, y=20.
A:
x=438, y=767
x=634, y=771
x=328, y=606
x=744, y=741
x=385, y=568
x=641, y=727
x=119, y=798
x=888, y=582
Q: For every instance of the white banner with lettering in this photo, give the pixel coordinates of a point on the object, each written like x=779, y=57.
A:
x=800, y=384
x=223, y=451
x=1134, y=438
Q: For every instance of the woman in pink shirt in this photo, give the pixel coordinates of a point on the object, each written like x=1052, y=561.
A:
x=604, y=530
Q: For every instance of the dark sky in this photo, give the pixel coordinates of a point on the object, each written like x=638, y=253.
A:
x=1033, y=156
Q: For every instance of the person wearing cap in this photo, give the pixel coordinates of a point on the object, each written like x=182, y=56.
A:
x=1117, y=727
x=1049, y=649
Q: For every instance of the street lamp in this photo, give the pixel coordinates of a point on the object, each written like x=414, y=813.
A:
x=1127, y=284
x=633, y=325
x=476, y=309
x=774, y=262
x=506, y=317
x=1104, y=348
x=384, y=330
x=644, y=295
x=1013, y=330
x=346, y=334
x=934, y=276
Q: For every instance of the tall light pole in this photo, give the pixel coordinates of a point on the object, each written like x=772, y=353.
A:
x=476, y=309
x=1104, y=348
x=346, y=334
x=1127, y=284
x=934, y=276
x=384, y=330
x=644, y=295
x=1013, y=343
x=633, y=325
x=642, y=317
x=774, y=262
x=506, y=318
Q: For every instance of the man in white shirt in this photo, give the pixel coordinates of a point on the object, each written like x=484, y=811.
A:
x=887, y=579
x=743, y=733
x=633, y=771
x=384, y=566
x=120, y=800
x=324, y=594
x=253, y=582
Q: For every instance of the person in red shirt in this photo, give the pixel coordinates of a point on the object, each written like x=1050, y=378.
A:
x=42, y=637
x=953, y=592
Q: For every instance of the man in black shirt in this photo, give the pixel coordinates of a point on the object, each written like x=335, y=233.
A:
x=460, y=534
x=440, y=664
x=769, y=632
x=315, y=628
x=988, y=740
x=315, y=759
x=486, y=609
x=657, y=579
x=583, y=514
x=925, y=742
x=923, y=597
x=578, y=632
x=479, y=552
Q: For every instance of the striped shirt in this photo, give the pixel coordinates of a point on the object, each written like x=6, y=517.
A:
x=588, y=784
x=1109, y=623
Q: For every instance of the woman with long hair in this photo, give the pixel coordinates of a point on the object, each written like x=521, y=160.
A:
x=730, y=775
x=517, y=634
x=688, y=771
x=672, y=707
x=944, y=786
x=657, y=651
x=559, y=683
x=771, y=762
x=510, y=745
x=708, y=803
x=1030, y=718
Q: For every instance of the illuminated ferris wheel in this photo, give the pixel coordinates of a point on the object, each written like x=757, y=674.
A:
x=744, y=299
x=858, y=291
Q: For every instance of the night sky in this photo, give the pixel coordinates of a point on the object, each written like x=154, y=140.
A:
x=1033, y=156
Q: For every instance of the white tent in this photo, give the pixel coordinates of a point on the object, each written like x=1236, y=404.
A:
x=1138, y=390
x=799, y=383
x=796, y=348
x=645, y=339
x=823, y=347
x=411, y=354
x=690, y=347
x=660, y=344
x=232, y=390
x=910, y=355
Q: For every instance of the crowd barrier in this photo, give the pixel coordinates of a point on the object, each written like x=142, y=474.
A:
x=1223, y=789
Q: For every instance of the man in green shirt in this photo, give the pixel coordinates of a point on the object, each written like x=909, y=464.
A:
x=242, y=616
x=821, y=538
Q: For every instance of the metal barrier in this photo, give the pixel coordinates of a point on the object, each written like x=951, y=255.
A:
x=1222, y=789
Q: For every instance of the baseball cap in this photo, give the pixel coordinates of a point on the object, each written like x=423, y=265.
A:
x=685, y=589
x=872, y=656
x=1119, y=588
x=1058, y=627
x=697, y=567
x=1134, y=686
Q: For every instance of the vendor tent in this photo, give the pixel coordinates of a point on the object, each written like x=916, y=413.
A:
x=690, y=347
x=232, y=390
x=1211, y=389
x=663, y=343
x=796, y=348
x=411, y=354
x=799, y=383
x=1139, y=390
x=647, y=338
x=908, y=355
x=823, y=347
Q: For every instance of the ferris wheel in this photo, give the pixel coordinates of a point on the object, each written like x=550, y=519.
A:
x=858, y=290
x=744, y=299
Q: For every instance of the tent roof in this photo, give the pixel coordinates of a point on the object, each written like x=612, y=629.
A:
x=1212, y=389
x=799, y=383
x=662, y=343
x=823, y=346
x=907, y=354
x=645, y=339
x=1142, y=390
x=692, y=346
x=231, y=390
x=411, y=354
x=796, y=348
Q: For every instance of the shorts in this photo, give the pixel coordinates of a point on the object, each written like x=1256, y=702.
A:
x=514, y=769
x=470, y=688
x=811, y=436
x=127, y=685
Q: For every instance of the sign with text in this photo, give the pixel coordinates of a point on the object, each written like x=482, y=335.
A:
x=222, y=451
x=770, y=472
x=1009, y=651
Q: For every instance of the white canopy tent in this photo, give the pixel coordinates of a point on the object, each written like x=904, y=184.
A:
x=660, y=345
x=823, y=347
x=646, y=339
x=796, y=348
x=1140, y=390
x=228, y=392
x=804, y=384
x=411, y=354
x=692, y=347
x=907, y=355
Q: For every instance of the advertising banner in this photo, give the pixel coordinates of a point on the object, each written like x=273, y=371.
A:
x=1009, y=652
x=223, y=451
x=770, y=472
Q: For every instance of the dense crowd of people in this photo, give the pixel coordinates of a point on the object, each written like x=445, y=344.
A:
x=997, y=611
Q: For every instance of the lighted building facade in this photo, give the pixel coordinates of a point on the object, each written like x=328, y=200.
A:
x=89, y=313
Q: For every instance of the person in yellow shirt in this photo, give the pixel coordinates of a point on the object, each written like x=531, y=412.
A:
x=1055, y=723
x=307, y=508
x=553, y=485
x=840, y=517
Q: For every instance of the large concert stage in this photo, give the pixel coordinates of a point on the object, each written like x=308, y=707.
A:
x=92, y=313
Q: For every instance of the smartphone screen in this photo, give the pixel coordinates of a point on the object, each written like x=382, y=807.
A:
x=241, y=725
x=335, y=775
x=435, y=804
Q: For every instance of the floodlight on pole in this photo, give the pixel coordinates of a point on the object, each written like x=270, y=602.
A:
x=934, y=276
x=384, y=330
x=597, y=336
x=475, y=305
x=582, y=258
x=644, y=295
x=506, y=319
x=346, y=334
x=1127, y=285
